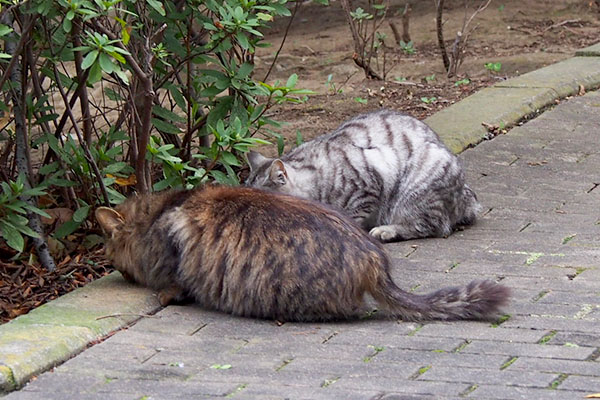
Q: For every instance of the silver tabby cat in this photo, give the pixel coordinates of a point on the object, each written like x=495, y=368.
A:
x=390, y=172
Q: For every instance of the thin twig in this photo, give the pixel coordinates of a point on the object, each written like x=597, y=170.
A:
x=86, y=151
x=287, y=29
x=127, y=314
x=565, y=22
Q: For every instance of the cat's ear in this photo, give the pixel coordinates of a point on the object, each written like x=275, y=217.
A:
x=255, y=160
x=109, y=219
x=277, y=172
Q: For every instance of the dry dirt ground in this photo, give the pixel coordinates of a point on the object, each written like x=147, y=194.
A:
x=522, y=35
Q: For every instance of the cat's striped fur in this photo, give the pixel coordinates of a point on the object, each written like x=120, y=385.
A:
x=258, y=254
x=388, y=171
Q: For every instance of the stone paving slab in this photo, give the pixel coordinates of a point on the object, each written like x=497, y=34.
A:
x=539, y=234
x=56, y=331
x=590, y=51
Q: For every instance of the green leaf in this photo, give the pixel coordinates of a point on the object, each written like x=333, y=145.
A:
x=49, y=168
x=299, y=138
x=220, y=177
x=230, y=158
x=106, y=63
x=24, y=229
x=122, y=75
x=242, y=40
x=5, y=30
x=178, y=97
x=67, y=25
x=12, y=236
x=125, y=35
x=167, y=114
x=89, y=59
x=280, y=144
x=112, y=95
x=81, y=214
x=165, y=126
x=66, y=229
x=95, y=74
x=291, y=82
x=157, y=6
x=245, y=70
x=164, y=184
x=36, y=210
x=115, y=167
x=35, y=191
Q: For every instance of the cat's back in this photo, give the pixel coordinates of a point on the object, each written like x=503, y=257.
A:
x=379, y=133
x=273, y=213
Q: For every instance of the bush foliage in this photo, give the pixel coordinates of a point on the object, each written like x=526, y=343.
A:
x=102, y=98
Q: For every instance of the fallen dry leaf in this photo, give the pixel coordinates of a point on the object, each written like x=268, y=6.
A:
x=129, y=181
x=58, y=214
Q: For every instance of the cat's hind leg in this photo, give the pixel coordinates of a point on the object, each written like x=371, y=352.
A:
x=403, y=231
x=413, y=219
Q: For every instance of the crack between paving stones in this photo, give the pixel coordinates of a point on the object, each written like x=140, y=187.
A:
x=594, y=356
x=468, y=390
x=527, y=225
x=192, y=333
x=328, y=338
x=593, y=187
x=156, y=351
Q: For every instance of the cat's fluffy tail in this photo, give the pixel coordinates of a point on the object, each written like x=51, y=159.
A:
x=479, y=300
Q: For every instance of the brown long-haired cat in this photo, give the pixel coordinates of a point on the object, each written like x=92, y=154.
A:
x=258, y=254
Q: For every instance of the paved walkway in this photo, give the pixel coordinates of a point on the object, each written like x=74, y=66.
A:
x=539, y=234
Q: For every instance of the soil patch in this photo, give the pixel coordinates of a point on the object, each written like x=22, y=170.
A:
x=521, y=35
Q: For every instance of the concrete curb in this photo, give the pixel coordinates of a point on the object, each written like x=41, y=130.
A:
x=54, y=332
x=508, y=102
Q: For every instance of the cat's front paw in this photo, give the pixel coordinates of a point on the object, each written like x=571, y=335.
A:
x=385, y=233
x=169, y=295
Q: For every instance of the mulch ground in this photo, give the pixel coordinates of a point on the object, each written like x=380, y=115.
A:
x=25, y=286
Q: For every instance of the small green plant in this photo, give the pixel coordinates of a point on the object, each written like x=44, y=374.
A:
x=428, y=100
x=360, y=100
x=331, y=87
x=567, y=239
x=299, y=138
x=556, y=383
x=430, y=78
x=13, y=212
x=462, y=82
x=493, y=66
x=376, y=350
x=420, y=372
x=501, y=7
x=501, y=320
x=329, y=382
x=508, y=363
x=360, y=14
x=220, y=366
x=407, y=48
x=177, y=364
x=400, y=79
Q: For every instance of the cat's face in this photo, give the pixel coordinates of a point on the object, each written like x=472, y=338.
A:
x=268, y=173
x=120, y=245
